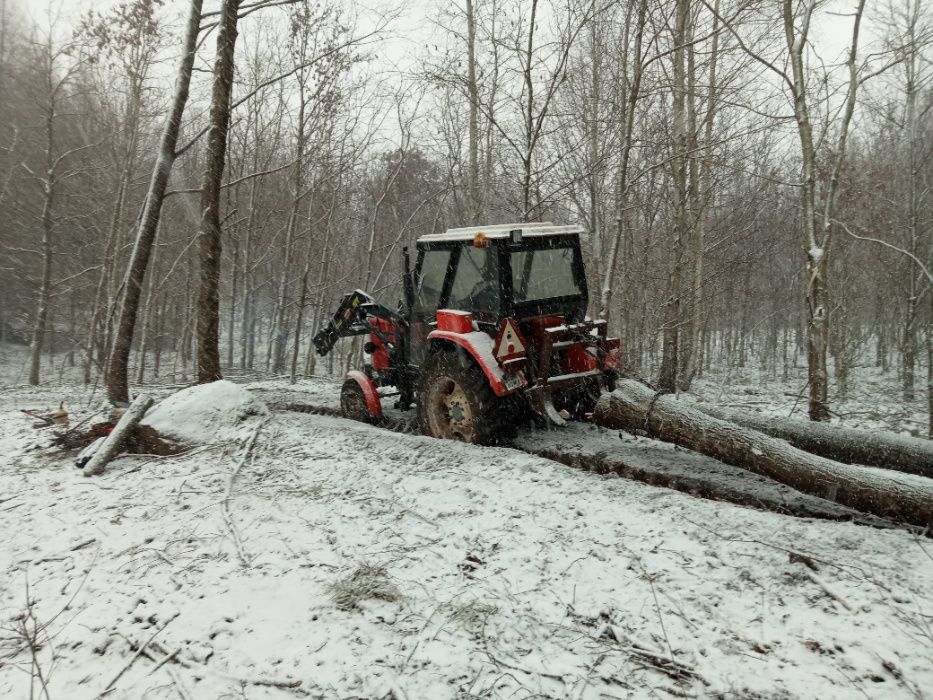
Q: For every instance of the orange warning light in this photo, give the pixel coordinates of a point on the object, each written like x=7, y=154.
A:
x=480, y=240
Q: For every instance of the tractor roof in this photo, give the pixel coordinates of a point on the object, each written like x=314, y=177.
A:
x=537, y=229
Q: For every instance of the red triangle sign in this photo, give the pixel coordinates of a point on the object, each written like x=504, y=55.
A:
x=509, y=342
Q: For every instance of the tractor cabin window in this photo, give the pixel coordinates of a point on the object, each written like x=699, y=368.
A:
x=543, y=274
x=431, y=279
x=476, y=284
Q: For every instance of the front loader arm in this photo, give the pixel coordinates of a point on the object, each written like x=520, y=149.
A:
x=352, y=318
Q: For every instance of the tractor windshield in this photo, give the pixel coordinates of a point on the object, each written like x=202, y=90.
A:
x=543, y=274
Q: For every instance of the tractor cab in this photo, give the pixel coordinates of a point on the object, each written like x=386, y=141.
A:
x=493, y=320
x=514, y=270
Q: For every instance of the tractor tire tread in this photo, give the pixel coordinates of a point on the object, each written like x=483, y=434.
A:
x=493, y=424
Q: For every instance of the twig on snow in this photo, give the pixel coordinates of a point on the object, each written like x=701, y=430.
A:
x=225, y=504
x=499, y=662
x=170, y=657
x=84, y=544
x=139, y=652
x=176, y=658
x=829, y=591
x=179, y=686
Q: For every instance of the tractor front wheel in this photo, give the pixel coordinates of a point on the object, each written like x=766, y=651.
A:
x=455, y=401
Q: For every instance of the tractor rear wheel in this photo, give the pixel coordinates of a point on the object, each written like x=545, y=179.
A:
x=455, y=401
x=353, y=403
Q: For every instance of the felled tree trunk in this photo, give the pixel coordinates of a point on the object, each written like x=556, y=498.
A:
x=906, y=454
x=112, y=444
x=635, y=406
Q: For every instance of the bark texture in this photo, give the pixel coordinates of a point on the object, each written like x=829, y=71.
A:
x=209, y=243
x=117, y=379
x=111, y=446
x=635, y=406
x=849, y=445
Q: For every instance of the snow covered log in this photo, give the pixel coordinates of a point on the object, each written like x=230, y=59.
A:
x=906, y=454
x=635, y=406
x=113, y=442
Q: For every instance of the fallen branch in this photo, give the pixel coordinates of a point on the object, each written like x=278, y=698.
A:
x=225, y=504
x=139, y=652
x=829, y=591
x=176, y=658
x=113, y=442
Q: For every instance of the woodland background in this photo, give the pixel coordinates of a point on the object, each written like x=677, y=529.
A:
x=754, y=175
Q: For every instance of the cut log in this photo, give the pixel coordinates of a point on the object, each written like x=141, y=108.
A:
x=113, y=442
x=634, y=406
x=849, y=445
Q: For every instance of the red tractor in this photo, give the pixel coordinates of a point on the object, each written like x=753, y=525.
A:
x=492, y=325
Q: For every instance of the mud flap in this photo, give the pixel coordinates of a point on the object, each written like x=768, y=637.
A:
x=373, y=405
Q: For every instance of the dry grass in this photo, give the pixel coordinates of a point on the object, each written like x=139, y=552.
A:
x=472, y=616
x=365, y=583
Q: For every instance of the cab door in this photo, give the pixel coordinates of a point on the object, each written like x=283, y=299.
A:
x=432, y=281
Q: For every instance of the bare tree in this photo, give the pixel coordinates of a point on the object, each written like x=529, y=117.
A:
x=817, y=192
x=473, y=177
x=667, y=377
x=117, y=366
x=631, y=94
x=209, y=235
x=125, y=41
x=56, y=70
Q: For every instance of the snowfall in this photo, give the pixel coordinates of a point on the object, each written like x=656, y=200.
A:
x=282, y=554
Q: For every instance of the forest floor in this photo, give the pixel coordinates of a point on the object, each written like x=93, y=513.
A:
x=290, y=555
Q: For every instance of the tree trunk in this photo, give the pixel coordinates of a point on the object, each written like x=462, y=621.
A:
x=474, y=199
x=634, y=406
x=147, y=319
x=299, y=320
x=929, y=341
x=817, y=331
x=45, y=289
x=667, y=377
x=703, y=190
x=231, y=318
x=848, y=445
x=816, y=239
x=280, y=332
x=48, y=202
x=113, y=442
x=909, y=345
x=247, y=305
x=117, y=367
x=209, y=242
x=528, y=109
x=622, y=180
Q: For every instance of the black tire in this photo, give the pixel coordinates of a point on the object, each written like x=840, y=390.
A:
x=353, y=403
x=455, y=401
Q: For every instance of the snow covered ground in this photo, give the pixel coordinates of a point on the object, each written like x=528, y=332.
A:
x=338, y=560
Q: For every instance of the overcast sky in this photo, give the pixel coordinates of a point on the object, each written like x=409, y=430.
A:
x=831, y=33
